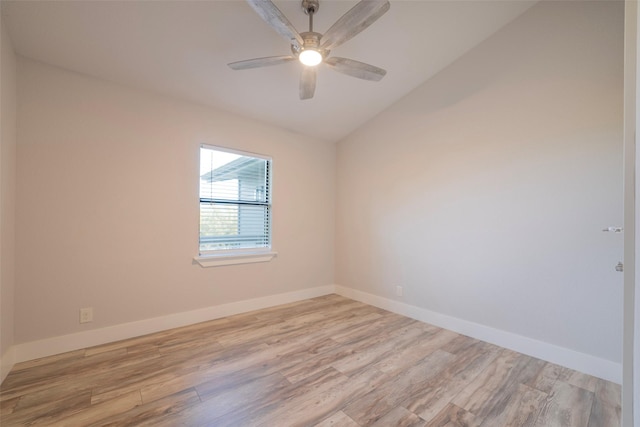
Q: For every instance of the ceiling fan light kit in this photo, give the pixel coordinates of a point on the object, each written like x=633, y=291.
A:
x=311, y=48
x=309, y=53
x=310, y=57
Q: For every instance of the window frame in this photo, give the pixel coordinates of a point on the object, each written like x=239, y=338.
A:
x=219, y=257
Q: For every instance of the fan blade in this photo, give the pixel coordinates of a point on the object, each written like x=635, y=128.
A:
x=356, y=69
x=307, y=83
x=261, y=62
x=359, y=17
x=276, y=19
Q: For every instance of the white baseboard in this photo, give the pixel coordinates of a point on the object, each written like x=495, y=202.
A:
x=581, y=362
x=61, y=344
x=7, y=360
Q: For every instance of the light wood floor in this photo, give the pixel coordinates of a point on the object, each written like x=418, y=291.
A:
x=328, y=361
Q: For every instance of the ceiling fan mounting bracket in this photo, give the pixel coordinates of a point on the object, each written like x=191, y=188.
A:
x=310, y=6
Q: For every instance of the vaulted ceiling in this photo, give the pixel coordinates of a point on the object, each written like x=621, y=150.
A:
x=181, y=49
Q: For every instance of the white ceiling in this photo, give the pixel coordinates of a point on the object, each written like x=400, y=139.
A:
x=181, y=48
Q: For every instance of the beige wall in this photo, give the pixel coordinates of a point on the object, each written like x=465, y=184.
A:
x=7, y=197
x=107, y=206
x=484, y=192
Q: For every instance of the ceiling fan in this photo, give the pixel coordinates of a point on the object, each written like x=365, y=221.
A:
x=311, y=48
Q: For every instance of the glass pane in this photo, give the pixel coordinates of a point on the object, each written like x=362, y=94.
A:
x=236, y=212
x=228, y=176
x=228, y=226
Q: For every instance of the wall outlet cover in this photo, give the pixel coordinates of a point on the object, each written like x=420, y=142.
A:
x=86, y=315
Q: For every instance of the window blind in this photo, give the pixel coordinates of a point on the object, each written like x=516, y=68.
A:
x=235, y=201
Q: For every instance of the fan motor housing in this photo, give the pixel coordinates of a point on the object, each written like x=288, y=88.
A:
x=311, y=41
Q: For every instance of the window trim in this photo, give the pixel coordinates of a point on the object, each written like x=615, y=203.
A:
x=216, y=260
x=238, y=256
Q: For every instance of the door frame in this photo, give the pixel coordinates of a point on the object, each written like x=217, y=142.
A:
x=631, y=301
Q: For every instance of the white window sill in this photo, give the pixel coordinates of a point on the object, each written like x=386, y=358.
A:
x=231, y=259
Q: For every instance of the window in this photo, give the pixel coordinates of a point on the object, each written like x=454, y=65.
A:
x=235, y=204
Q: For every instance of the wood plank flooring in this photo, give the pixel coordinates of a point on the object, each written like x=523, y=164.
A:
x=327, y=361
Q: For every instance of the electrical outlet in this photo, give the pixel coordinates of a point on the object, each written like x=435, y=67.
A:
x=399, y=291
x=86, y=315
